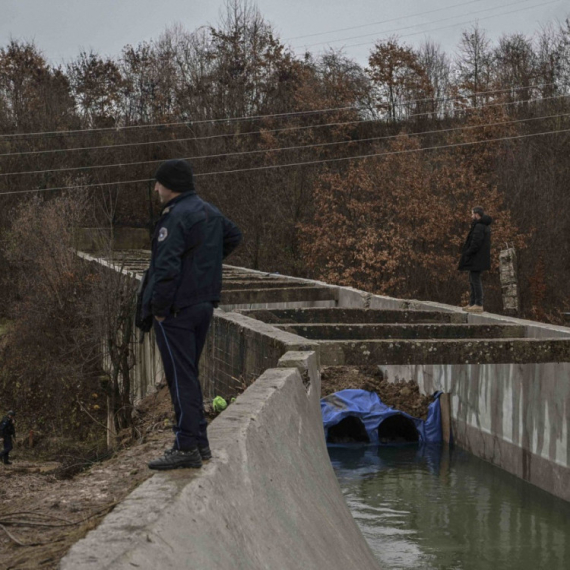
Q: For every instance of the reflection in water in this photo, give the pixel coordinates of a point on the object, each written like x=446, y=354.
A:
x=431, y=508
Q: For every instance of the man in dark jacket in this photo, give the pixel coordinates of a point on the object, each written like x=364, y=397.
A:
x=7, y=431
x=476, y=256
x=184, y=284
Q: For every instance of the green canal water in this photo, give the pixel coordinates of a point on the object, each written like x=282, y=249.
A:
x=438, y=509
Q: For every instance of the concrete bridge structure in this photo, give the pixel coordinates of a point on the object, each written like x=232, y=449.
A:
x=269, y=498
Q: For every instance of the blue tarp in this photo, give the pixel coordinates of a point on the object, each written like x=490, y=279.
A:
x=367, y=407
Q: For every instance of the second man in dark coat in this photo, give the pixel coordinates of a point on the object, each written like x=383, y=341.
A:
x=476, y=257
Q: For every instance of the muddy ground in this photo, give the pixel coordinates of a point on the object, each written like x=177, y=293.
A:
x=43, y=514
x=404, y=396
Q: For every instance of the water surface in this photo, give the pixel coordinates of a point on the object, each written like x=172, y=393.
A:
x=432, y=508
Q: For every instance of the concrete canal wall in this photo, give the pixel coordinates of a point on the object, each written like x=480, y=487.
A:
x=269, y=498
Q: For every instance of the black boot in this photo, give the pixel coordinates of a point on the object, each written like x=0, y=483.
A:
x=205, y=453
x=175, y=459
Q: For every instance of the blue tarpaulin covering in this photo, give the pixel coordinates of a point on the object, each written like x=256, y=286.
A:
x=368, y=408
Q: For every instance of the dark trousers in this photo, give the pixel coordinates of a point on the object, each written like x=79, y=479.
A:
x=476, y=288
x=7, y=448
x=180, y=340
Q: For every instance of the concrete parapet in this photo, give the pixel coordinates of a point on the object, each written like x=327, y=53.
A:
x=268, y=498
x=449, y=351
x=281, y=295
x=402, y=331
x=533, y=328
x=342, y=315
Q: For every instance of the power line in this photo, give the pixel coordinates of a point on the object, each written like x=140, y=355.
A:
x=189, y=122
x=422, y=24
x=305, y=127
x=375, y=155
x=462, y=23
x=299, y=147
x=306, y=163
x=383, y=21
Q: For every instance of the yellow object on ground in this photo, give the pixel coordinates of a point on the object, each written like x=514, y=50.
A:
x=219, y=404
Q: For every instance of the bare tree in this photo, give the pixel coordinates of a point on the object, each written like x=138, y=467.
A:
x=475, y=66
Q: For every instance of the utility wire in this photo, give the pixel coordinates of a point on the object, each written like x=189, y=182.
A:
x=365, y=156
x=383, y=21
x=305, y=127
x=518, y=3
x=279, y=149
x=306, y=163
x=468, y=22
x=189, y=122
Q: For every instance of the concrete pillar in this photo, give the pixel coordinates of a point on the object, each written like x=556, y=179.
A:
x=509, y=280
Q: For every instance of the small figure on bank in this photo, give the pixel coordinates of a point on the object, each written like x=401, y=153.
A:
x=7, y=431
x=476, y=257
x=183, y=285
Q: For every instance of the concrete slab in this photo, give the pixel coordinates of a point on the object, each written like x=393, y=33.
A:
x=281, y=295
x=375, y=352
x=339, y=315
x=407, y=331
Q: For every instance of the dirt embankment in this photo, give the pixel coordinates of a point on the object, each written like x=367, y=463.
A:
x=42, y=515
x=404, y=396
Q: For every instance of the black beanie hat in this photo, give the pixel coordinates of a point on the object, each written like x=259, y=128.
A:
x=176, y=175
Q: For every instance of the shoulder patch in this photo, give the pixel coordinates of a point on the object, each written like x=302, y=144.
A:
x=162, y=234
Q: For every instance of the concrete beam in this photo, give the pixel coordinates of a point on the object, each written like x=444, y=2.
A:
x=336, y=353
x=337, y=315
x=241, y=284
x=412, y=331
x=285, y=295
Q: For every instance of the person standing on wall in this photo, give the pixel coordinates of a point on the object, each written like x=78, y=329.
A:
x=476, y=257
x=183, y=285
x=7, y=431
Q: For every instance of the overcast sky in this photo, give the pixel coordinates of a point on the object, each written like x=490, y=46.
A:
x=61, y=28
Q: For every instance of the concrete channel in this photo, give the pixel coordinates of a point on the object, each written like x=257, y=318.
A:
x=269, y=498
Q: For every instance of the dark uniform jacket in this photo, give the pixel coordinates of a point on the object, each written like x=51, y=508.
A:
x=7, y=428
x=190, y=240
x=476, y=251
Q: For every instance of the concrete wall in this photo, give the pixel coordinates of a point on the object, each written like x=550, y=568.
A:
x=269, y=498
x=517, y=416
x=239, y=349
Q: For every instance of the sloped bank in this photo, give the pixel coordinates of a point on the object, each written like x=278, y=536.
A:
x=268, y=499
